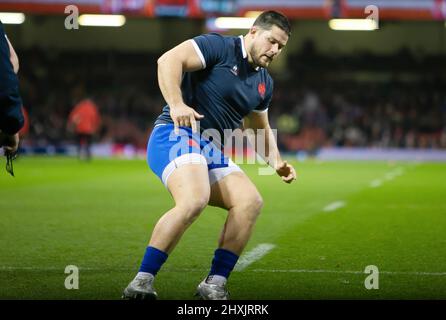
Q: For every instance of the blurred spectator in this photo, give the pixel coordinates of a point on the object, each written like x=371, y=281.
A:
x=25, y=129
x=84, y=120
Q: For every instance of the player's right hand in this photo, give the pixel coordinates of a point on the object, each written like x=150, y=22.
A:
x=185, y=116
x=286, y=171
x=10, y=143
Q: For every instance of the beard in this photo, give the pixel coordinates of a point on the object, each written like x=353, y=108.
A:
x=259, y=59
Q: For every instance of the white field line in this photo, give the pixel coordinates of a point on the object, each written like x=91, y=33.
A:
x=245, y=260
x=387, y=177
x=376, y=183
x=334, y=206
x=255, y=254
x=182, y=270
x=410, y=273
x=62, y=269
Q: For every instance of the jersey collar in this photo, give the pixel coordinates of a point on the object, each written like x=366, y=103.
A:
x=245, y=55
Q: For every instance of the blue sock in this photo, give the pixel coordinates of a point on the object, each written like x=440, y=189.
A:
x=223, y=263
x=153, y=260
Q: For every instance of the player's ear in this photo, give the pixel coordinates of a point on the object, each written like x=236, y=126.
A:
x=253, y=30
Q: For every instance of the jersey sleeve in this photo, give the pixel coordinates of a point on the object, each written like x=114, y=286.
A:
x=210, y=48
x=264, y=105
x=11, y=116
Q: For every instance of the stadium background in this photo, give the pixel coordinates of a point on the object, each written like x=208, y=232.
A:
x=339, y=95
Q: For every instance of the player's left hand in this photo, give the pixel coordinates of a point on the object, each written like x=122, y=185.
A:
x=286, y=171
x=10, y=143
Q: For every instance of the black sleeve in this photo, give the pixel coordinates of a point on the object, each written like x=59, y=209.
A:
x=11, y=116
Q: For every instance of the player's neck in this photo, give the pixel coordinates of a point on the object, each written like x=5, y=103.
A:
x=247, y=44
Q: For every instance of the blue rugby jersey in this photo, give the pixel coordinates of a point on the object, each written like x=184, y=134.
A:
x=228, y=88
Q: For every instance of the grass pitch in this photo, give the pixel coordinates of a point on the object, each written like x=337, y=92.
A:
x=99, y=215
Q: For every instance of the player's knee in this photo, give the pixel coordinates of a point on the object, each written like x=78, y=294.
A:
x=257, y=203
x=193, y=207
x=253, y=204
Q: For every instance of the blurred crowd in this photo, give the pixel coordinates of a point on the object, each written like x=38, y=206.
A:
x=355, y=100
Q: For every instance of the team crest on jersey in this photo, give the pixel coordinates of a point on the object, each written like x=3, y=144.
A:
x=192, y=143
x=262, y=89
x=234, y=70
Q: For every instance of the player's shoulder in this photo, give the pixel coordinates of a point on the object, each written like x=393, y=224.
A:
x=222, y=46
x=217, y=37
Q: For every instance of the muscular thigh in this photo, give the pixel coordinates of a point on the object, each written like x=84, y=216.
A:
x=232, y=190
x=189, y=182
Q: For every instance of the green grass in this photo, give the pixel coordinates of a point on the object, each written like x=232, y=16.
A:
x=98, y=216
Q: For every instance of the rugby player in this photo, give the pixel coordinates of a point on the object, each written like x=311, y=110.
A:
x=211, y=82
x=11, y=116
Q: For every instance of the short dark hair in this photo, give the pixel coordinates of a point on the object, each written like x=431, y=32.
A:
x=271, y=18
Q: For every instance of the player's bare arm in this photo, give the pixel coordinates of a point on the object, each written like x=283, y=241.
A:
x=259, y=120
x=13, y=57
x=171, y=66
